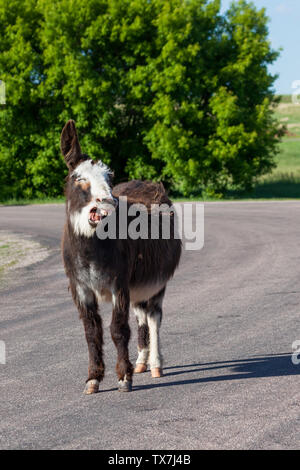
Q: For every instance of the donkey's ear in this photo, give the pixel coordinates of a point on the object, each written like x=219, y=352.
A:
x=69, y=145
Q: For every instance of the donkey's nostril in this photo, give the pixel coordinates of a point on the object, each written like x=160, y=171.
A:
x=112, y=201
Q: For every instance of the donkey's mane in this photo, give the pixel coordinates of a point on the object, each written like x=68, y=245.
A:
x=142, y=192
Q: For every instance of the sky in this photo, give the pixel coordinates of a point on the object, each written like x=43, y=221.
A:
x=284, y=27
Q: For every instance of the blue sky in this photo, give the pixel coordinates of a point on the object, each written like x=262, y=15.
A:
x=284, y=29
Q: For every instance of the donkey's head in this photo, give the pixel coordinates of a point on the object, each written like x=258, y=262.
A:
x=88, y=189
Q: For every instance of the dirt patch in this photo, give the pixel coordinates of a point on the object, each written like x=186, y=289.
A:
x=18, y=251
x=287, y=105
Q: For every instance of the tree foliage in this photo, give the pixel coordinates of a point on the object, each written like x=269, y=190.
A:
x=167, y=90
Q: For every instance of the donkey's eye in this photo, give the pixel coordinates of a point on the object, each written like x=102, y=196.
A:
x=80, y=180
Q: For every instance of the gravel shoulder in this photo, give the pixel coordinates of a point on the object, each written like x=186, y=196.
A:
x=18, y=251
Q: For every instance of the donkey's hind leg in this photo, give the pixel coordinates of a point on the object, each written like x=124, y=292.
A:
x=149, y=315
x=140, y=311
x=154, y=318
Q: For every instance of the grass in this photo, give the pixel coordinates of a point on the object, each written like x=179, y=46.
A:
x=289, y=114
x=4, y=247
x=24, y=202
x=284, y=181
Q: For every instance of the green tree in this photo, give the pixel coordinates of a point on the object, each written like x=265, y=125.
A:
x=160, y=89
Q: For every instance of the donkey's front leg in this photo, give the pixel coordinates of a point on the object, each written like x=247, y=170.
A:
x=88, y=310
x=120, y=333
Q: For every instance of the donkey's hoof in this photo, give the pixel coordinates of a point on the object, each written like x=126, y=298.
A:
x=156, y=372
x=92, y=386
x=140, y=368
x=125, y=386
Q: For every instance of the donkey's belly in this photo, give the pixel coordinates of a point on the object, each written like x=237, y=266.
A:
x=142, y=293
x=137, y=293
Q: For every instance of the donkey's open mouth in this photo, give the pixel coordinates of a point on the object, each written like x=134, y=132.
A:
x=99, y=212
x=96, y=215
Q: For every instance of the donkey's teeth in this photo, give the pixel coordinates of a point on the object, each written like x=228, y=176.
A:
x=94, y=216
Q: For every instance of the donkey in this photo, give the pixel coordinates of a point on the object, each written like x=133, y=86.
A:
x=126, y=272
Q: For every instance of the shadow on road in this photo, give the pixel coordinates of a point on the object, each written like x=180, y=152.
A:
x=267, y=366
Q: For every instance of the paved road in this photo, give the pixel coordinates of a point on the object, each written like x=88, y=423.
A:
x=231, y=316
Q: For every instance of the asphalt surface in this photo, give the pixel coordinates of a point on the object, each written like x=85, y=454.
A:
x=231, y=314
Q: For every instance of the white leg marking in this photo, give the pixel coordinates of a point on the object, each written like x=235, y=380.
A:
x=141, y=317
x=122, y=382
x=155, y=354
x=142, y=356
